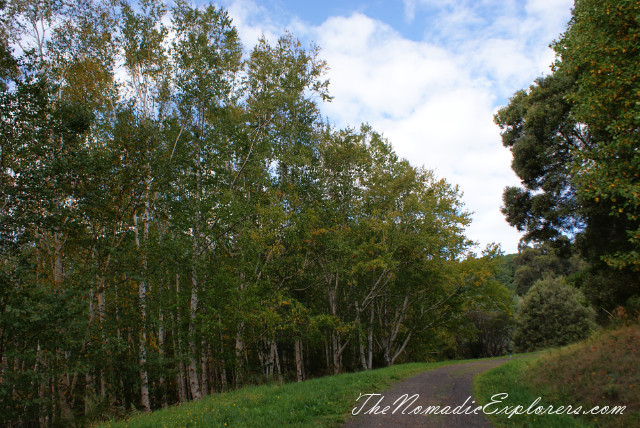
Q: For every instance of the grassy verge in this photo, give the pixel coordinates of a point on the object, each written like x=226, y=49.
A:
x=602, y=371
x=322, y=402
x=510, y=378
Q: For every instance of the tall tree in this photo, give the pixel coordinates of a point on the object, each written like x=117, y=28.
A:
x=207, y=56
x=573, y=139
x=600, y=48
x=538, y=128
x=176, y=217
x=146, y=61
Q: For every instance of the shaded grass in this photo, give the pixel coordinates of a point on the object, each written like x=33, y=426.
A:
x=601, y=371
x=321, y=402
x=510, y=378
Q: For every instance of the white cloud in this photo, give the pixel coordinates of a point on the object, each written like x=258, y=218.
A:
x=435, y=99
x=430, y=103
x=378, y=74
x=253, y=21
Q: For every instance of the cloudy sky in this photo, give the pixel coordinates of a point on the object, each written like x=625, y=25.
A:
x=427, y=74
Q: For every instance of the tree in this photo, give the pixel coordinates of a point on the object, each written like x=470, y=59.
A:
x=552, y=313
x=194, y=223
x=538, y=129
x=600, y=48
x=533, y=264
x=574, y=139
x=43, y=166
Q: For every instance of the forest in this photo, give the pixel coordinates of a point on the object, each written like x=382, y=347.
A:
x=178, y=219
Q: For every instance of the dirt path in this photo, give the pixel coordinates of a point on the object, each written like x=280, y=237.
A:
x=446, y=386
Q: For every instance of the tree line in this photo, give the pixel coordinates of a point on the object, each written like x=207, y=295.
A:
x=178, y=219
x=574, y=139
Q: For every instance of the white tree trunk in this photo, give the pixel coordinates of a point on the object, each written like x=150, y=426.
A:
x=180, y=377
x=142, y=295
x=194, y=384
x=299, y=360
x=239, y=348
x=204, y=369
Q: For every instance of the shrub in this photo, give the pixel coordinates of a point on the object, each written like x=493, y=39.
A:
x=552, y=314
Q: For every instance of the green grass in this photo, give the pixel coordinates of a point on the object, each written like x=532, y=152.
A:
x=509, y=378
x=321, y=402
x=601, y=371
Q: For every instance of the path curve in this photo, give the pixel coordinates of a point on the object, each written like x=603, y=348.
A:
x=444, y=386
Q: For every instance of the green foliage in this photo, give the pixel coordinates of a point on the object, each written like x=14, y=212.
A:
x=194, y=225
x=489, y=325
x=574, y=139
x=492, y=334
x=538, y=129
x=601, y=48
x=506, y=271
x=533, y=264
x=552, y=314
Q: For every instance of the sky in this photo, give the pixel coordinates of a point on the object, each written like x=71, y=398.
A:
x=427, y=74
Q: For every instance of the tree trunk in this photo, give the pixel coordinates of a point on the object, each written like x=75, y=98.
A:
x=142, y=295
x=239, y=352
x=335, y=352
x=101, y=319
x=223, y=367
x=370, y=340
x=363, y=360
x=299, y=360
x=401, y=349
x=58, y=272
x=327, y=353
x=89, y=381
x=194, y=384
x=63, y=388
x=161, y=338
x=204, y=369
x=394, y=329
x=180, y=377
x=63, y=380
x=274, y=358
x=182, y=384
x=144, y=379
x=40, y=387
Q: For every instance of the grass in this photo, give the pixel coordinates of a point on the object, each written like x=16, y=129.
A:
x=321, y=402
x=602, y=371
x=509, y=378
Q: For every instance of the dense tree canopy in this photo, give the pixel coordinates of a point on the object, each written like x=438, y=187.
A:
x=176, y=218
x=539, y=131
x=601, y=50
x=533, y=264
x=553, y=313
x=574, y=139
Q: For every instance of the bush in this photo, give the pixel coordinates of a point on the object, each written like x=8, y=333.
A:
x=552, y=314
x=493, y=335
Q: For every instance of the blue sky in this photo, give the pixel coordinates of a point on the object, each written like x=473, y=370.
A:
x=429, y=75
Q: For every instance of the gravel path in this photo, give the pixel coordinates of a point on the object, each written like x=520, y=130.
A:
x=445, y=386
